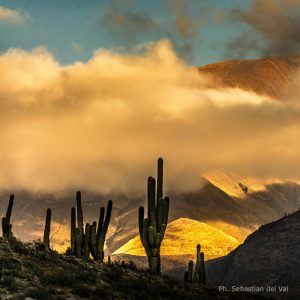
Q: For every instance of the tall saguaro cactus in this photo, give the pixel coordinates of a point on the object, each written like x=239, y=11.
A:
x=152, y=229
x=46, y=239
x=92, y=239
x=6, y=226
x=197, y=275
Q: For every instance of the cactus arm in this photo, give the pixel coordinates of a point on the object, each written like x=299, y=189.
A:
x=202, y=274
x=159, y=193
x=79, y=212
x=93, y=241
x=100, y=222
x=86, y=241
x=158, y=240
x=186, y=276
x=197, y=267
x=151, y=203
x=9, y=208
x=5, y=228
x=160, y=212
x=46, y=238
x=151, y=236
x=190, y=271
x=145, y=237
x=141, y=223
x=78, y=243
x=166, y=210
x=104, y=230
x=73, y=229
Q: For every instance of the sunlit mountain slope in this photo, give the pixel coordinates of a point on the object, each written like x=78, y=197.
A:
x=182, y=236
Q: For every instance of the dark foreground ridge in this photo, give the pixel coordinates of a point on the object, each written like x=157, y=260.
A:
x=269, y=257
x=27, y=270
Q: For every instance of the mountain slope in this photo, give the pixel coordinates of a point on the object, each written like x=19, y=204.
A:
x=268, y=257
x=181, y=238
x=272, y=76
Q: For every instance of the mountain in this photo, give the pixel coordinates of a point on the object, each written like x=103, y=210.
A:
x=208, y=204
x=271, y=76
x=268, y=257
x=181, y=238
x=234, y=216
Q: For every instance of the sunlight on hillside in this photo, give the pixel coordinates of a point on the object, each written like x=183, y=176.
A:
x=233, y=185
x=183, y=235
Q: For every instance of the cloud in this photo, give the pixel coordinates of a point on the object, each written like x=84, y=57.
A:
x=11, y=16
x=125, y=25
x=101, y=125
x=186, y=26
x=183, y=20
x=272, y=28
x=180, y=24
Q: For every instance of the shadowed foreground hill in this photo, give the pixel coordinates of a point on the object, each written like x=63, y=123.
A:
x=29, y=271
x=268, y=257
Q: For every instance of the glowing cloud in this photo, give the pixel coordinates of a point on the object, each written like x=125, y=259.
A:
x=100, y=125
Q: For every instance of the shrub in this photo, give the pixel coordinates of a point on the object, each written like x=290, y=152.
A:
x=99, y=293
x=58, y=277
x=82, y=290
x=9, y=266
x=43, y=293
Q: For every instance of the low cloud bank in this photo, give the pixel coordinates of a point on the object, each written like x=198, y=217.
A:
x=101, y=125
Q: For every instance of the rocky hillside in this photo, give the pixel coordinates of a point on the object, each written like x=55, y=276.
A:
x=272, y=76
x=268, y=257
x=29, y=272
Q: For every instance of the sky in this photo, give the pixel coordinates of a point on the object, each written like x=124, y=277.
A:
x=73, y=29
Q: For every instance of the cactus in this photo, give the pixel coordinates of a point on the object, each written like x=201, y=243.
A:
x=86, y=241
x=198, y=275
x=78, y=244
x=102, y=229
x=190, y=271
x=6, y=226
x=92, y=239
x=152, y=229
x=186, y=276
x=73, y=229
x=46, y=239
x=79, y=215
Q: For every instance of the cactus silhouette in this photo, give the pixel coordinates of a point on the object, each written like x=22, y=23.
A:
x=79, y=216
x=6, y=226
x=102, y=229
x=152, y=229
x=197, y=275
x=46, y=239
x=91, y=239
